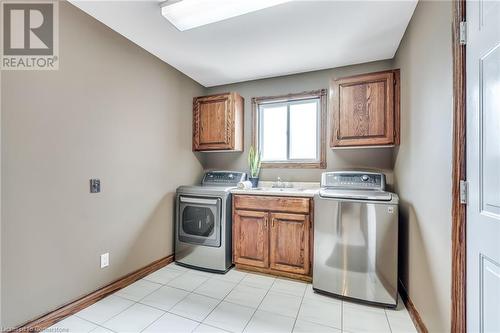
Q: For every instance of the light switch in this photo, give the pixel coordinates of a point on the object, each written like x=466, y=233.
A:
x=95, y=185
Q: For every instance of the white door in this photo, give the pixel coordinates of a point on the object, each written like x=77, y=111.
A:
x=483, y=166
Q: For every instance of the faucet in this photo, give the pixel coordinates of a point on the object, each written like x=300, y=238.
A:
x=280, y=184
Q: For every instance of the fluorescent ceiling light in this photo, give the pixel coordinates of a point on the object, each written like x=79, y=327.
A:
x=188, y=14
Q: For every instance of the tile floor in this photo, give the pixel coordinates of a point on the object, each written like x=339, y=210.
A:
x=177, y=299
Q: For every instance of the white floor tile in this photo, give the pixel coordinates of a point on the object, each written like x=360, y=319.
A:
x=203, y=273
x=363, y=307
x=100, y=329
x=138, y=290
x=295, y=288
x=106, y=308
x=251, y=302
x=165, y=298
x=177, y=267
x=195, y=307
x=170, y=323
x=259, y=281
x=263, y=321
x=208, y=329
x=246, y=295
x=320, y=312
x=215, y=288
x=164, y=275
x=311, y=294
x=400, y=321
x=230, y=317
x=360, y=318
x=302, y=326
x=283, y=304
x=72, y=324
x=187, y=281
x=134, y=319
x=232, y=276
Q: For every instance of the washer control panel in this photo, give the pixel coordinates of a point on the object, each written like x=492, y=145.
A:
x=353, y=180
x=223, y=178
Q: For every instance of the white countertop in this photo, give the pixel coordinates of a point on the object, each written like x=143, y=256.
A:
x=298, y=189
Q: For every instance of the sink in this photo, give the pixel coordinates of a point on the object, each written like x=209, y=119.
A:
x=279, y=189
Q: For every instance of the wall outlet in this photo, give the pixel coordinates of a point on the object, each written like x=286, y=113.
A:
x=104, y=260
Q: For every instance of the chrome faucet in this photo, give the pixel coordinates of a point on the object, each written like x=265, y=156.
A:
x=281, y=184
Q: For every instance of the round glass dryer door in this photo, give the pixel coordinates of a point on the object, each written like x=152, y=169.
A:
x=200, y=220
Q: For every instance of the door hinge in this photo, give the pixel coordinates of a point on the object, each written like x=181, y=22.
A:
x=464, y=193
x=463, y=33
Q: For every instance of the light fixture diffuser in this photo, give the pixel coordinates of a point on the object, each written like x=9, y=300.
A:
x=189, y=14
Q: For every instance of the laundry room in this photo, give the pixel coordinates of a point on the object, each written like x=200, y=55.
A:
x=249, y=166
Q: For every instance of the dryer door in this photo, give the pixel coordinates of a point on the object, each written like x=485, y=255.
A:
x=199, y=220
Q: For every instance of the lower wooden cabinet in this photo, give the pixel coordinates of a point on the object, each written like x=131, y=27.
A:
x=274, y=237
x=250, y=231
x=289, y=243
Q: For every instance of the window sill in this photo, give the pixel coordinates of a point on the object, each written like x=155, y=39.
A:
x=294, y=165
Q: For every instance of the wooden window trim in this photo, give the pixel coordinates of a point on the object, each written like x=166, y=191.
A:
x=322, y=95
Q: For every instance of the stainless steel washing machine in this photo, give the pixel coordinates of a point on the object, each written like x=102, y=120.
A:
x=203, y=222
x=356, y=238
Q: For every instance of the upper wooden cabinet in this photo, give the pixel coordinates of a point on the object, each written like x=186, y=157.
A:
x=218, y=122
x=365, y=110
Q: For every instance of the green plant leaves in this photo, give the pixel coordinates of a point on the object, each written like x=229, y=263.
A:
x=254, y=162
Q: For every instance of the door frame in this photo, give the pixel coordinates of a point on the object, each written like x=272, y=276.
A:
x=458, y=232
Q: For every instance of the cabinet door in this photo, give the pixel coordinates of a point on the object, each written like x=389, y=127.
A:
x=289, y=243
x=250, y=238
x=365, y=110
x=213, y=122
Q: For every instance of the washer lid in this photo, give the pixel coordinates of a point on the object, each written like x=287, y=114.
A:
x=356, y=194
x=204, y=190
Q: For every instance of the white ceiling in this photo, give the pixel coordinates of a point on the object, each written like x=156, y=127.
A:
x=294, y=37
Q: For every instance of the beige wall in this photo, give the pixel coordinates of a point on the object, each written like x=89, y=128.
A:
x=423, y=161
x=112, y=111
x=374, y=158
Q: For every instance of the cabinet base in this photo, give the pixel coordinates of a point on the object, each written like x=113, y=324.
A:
x=295, y=276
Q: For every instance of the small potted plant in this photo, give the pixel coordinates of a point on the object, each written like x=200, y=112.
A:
x=254, y=166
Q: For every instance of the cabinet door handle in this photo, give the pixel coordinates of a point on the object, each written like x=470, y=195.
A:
x=272, y=222
x=265, y=222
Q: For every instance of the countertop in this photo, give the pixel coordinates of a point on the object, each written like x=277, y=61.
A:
x=297, y=189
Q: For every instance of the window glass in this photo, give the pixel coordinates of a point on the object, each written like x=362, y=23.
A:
x=289, y=131
x=304, y=131
x=274, y=132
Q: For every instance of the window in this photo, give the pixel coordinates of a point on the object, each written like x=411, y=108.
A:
x=289, y=131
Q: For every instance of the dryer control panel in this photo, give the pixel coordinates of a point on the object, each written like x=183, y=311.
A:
x=353, y=180
x=223, y=178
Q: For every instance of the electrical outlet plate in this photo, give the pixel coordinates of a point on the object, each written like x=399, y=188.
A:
x=104, y=260
x=95, y=185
